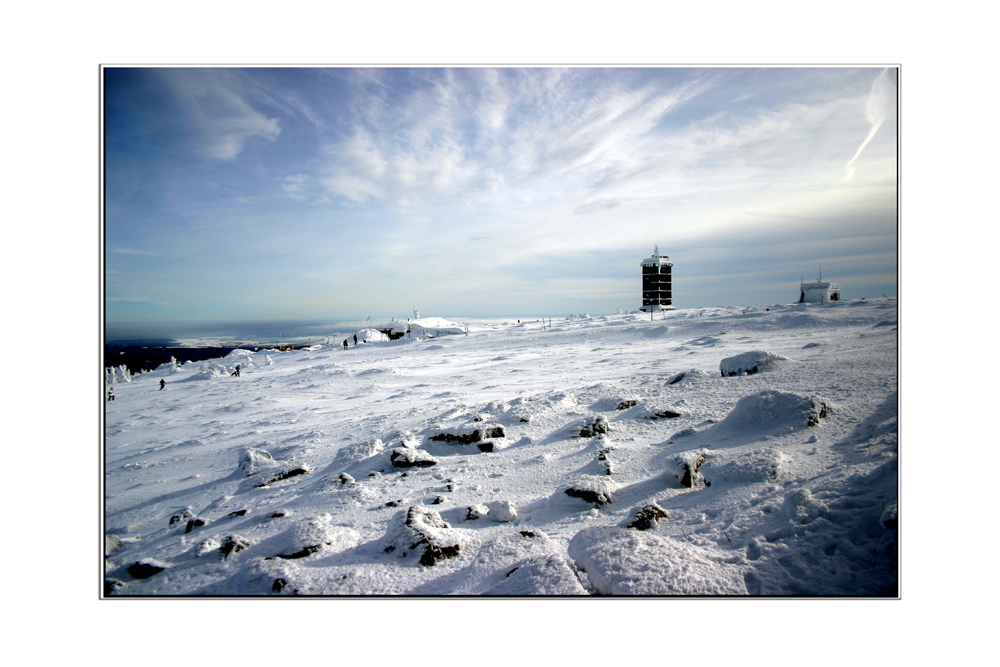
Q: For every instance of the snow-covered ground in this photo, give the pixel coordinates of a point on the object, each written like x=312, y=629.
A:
x=712, y=451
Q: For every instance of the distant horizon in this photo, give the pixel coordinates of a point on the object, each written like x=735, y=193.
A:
x=265, y=330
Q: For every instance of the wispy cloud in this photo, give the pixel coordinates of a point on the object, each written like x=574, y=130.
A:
x=215, y=102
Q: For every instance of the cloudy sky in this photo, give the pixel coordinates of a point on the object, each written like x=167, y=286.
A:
x=268, y=194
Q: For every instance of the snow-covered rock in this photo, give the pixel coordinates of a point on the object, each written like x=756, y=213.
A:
x=748, y=363
x=592, y=489
x=501, y=510
x=772, y=412
x=407, y=457
x=422, y=535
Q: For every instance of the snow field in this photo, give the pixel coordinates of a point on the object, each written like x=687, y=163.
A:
x=791, y=485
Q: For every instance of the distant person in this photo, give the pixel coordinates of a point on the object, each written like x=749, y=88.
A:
x=345, y=343
x=111, y=393
x=355, y=339
x=235, y=373
x=163, y=383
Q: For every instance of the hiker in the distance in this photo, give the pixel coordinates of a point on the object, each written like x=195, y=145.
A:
x=345, y=343
x=235, y=373
x=163, y=384
x=355, y=339
x=111, y=393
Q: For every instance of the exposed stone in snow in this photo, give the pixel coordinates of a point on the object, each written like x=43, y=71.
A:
x=404, y=457
x=422, y=533
x=646, y=517
x=593, y=489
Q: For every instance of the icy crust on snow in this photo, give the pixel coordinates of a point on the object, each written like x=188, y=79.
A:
x=282, y=481
x=620, y=561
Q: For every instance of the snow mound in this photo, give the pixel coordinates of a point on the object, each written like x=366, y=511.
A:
x=772, y=413
x=209, y=370
x=748, y=362
x=371, y=336
x=654, y=411
x=314, y=534
x=688, y=377
x=501, y=510
x=620, y=561
x=238, y=353
x=763, y=465
x=359, y=451
x=543, y=575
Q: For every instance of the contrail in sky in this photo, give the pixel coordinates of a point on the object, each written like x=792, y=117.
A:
x=876, y=108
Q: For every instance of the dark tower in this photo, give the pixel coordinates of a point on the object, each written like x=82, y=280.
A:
x=656, y=294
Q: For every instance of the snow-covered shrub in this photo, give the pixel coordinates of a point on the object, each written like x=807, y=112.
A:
x=748, y=363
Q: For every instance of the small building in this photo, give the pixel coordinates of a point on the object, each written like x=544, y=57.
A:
x=818, y=292
x=656, y=292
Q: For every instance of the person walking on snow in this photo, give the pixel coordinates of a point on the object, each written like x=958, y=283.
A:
x=235, y=373
x=355, y=339
x=111, y=393
x=345, y=343
x=163, y=384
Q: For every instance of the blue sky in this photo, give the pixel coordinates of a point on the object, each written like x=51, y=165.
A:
x=269, y=194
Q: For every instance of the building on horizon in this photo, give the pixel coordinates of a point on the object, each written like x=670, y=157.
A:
x=818, y=292
x=656, y=287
